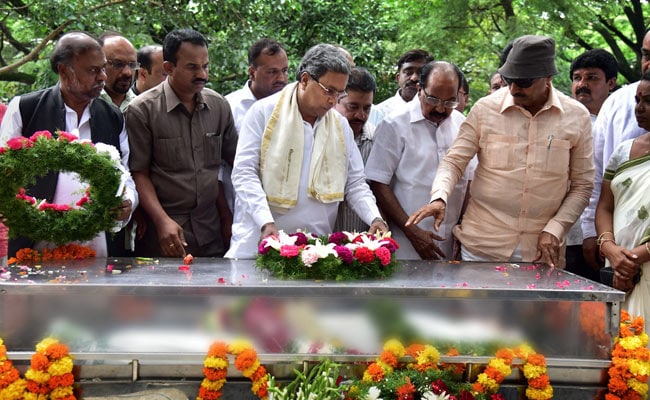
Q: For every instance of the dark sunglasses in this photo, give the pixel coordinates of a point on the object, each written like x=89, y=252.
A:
x=522, y=83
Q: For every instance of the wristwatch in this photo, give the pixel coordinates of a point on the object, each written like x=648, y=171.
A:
x=379, y=219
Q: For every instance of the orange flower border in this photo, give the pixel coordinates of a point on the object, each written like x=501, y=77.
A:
x=628, y=373
x=215, y=369
x=12, y=386
x=65, y=252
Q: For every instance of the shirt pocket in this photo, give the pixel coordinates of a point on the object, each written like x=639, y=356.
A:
x=558, y=156
x=168, y=153
x=212, y=148
x=498, y=152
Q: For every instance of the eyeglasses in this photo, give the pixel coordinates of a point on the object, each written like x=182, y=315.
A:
x=434, y=101
x=522, y=83
x=331, y=93
x=119, y=65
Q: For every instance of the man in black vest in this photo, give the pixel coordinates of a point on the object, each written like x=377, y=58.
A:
x=73, y=105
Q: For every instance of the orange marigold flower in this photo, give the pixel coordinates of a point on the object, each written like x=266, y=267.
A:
x=478, y=387
x=215, y=374
x=34, y=387
x=406, y=390
x=61, y=381
x=452, y=352
x=494, y=374
x=389, y=358
x=537, y=359
x=207, y=394
x=40, y=362
x=617, y=385
x=540, y=382
x=505, y=354
x=56, y=350
x=245, y=359
x=218, y=349
x=259, y=374
x=8, y=377
x=414, y=349
x=376, y=372
x=263, y=392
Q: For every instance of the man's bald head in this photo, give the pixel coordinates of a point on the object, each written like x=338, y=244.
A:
x=71, y=45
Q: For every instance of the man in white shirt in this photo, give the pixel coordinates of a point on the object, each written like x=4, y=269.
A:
x=296, y=159
x=593, y=76
x=268, y=71
x=405, y=156
x=615, y=123
x=407, y=76
x=73, y=104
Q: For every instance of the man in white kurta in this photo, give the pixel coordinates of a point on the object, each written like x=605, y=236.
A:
x=408, y=147
x=323, y=74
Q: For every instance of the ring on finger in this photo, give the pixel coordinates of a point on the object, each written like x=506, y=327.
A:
x=171, y=245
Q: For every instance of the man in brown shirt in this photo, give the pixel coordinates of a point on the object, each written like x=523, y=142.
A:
x=180, y=131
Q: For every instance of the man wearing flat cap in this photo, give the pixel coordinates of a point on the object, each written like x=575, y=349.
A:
x=535, y=164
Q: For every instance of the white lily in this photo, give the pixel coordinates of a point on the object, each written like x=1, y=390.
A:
x=433, y=396
x=279, y=241
x=373, y=393
x=320, y=249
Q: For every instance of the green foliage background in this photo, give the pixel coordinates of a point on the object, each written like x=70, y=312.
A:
x=470, y=33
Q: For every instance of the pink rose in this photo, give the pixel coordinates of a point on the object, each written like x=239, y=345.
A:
x=309, y=257
x=82, y=201
x=65, y=136
x=3, y=150
x=17, y=143
x=36, y=135
x=289, y=250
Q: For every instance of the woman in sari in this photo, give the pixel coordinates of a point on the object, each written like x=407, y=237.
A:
x=622, y=214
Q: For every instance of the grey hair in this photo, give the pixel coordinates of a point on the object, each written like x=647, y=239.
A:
x=323, y=58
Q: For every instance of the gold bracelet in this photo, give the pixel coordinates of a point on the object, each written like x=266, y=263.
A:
x=647, y=248
x=600, y=239
x=600, y=250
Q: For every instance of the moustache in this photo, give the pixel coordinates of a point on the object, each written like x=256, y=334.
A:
x=519, y=95
x=583, y=90
x=435, y=114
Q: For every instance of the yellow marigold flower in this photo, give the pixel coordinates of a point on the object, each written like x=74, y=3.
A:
x=37, y=376
x=61, y=392
x=536, y=394
x=637, y=386
x=639, y=367
x=631, y=342
x=239, y=345
x=524, y=351
x=35, y=396
x=429, y=355
x=395, y=347
x=40, y=347
x=213, y=385
x=251, y=370
x=15, y=391
x=644, y=339
x=257, y=385
x=217, y=363
x=489, y=384
x=61, y=366
x=533, y=371
x=500, y=365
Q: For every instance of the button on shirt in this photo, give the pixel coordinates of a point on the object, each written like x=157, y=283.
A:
x=406, y=152
x=524, y=167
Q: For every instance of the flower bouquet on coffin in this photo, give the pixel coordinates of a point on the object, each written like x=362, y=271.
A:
x=337, y=256
x=25, y=159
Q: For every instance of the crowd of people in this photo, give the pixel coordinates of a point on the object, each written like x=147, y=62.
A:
x=529, y=174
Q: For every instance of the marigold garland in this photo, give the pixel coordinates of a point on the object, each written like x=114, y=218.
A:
x=628, y=373
x=26, y=158
x=50, y=373
x=12, y=386
x=215, y=369
x=70, y=251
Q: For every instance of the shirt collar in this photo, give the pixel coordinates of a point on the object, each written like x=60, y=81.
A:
x=552, y=101
x=173, y=101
